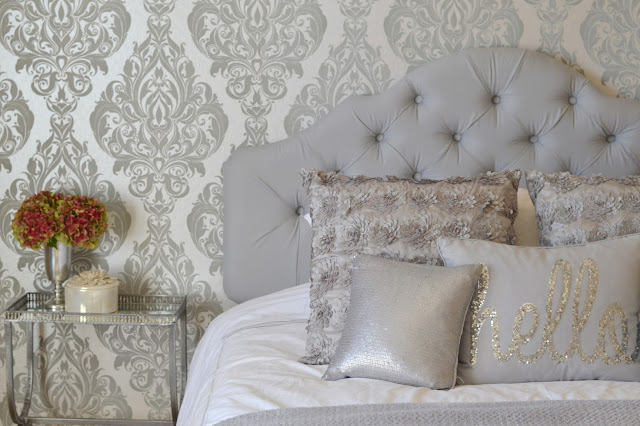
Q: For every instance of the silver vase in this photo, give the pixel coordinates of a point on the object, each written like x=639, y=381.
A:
x=57, y=263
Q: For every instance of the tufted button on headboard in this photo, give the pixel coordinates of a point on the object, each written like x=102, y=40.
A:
x=465, y=114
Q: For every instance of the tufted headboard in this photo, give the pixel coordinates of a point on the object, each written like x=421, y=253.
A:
x=473, y=111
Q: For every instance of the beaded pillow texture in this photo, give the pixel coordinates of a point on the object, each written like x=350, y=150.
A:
x=404, y=322
x=550, y=313
x=578, y=209
x=395, y=218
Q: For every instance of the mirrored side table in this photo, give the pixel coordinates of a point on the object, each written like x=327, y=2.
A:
x=153, y=311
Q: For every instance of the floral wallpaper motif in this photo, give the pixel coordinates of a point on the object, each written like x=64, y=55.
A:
x=160, y=124
x=140, y=103
x=553, y=13
x=205, y=223
x=76, y=385
x=611, y=38
x=16, y=121
x=63, y=45
x=257, y=46
x=423, y=30
x=353, y=67
x=10, y=289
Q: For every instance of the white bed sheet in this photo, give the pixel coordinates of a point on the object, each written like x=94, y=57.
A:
x=247, y=361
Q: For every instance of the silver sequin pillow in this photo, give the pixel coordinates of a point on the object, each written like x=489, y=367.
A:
x=550, y=313
x=396, y=218
x=404, y=322
x=575, y=209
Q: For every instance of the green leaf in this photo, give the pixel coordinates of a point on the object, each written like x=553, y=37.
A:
x=53, y=242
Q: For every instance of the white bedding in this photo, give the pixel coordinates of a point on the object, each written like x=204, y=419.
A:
x=247, y=361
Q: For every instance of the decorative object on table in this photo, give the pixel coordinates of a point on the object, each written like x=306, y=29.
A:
x=59, y=222
x=91, y=292
x=57, y=264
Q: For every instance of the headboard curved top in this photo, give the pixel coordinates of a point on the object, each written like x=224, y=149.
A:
x=468, y=113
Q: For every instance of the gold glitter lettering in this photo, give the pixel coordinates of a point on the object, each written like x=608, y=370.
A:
x=613, y=326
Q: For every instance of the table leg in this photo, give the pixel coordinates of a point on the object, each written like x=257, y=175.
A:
x=13, y=411
x=184, y=354
x=173, y=372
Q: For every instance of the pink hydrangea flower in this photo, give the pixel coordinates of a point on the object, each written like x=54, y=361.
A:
x=46, y=218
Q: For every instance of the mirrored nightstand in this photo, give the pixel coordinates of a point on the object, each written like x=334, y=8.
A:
x=152, y=311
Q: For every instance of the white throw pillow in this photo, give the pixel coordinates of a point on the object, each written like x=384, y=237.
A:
x=525, y=225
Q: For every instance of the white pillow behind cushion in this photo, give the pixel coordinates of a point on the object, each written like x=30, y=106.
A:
x=525, y=225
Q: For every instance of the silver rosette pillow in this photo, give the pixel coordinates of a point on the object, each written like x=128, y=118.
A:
x=550, y=313
x=578, y=209
x=395, y=218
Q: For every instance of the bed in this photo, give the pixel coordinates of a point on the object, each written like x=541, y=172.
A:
x=469, y=113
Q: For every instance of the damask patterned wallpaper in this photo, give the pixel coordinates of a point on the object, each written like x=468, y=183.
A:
x=139, y=103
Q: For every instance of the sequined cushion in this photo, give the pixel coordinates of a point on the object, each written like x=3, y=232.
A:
x=550, y=313
x=578, y=209
x=396, y=218
x=404, y=322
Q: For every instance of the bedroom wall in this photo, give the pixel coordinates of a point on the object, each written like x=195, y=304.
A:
x=139, y=103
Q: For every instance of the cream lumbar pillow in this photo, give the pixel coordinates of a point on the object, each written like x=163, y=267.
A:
x=404, y=322
x=525, y=226
x=395, y=218
x=550, y=313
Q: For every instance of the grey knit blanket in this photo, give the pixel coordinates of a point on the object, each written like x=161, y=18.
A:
x=612, y=412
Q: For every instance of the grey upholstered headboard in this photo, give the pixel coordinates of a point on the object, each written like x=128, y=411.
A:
x=473, y=111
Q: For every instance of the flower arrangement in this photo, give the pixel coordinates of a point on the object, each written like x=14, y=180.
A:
x=48, y=218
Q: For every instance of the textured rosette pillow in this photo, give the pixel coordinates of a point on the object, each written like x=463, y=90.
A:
x=578, y=209
x=396, y=218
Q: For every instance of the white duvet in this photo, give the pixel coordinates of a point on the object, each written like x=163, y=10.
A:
x=247, y=361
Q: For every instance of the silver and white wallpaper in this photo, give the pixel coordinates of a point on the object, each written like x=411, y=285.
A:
x=139, y=102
